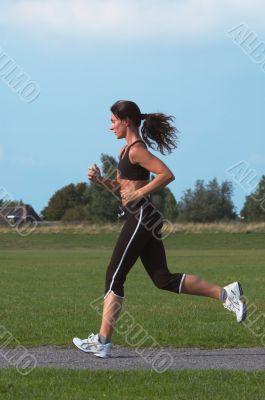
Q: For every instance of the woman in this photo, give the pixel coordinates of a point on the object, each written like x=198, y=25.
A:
x=141, y=233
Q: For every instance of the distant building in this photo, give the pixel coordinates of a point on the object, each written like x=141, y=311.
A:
x=12, y=215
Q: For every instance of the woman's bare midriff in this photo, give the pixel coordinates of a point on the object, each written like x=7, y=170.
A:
x=135, y=185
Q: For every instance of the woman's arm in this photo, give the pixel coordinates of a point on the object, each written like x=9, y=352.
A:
x=94, y=175
x=164, y=176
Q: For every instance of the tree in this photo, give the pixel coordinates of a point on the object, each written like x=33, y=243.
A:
x=74, y=214
x=171, y=211
x=13, y=203
x=166, y=203
x=103, y=206
x=254, y=206
x=109, y=166
x=68, y=197
x=207, y=203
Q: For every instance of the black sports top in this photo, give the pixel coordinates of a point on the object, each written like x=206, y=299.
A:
x=132, y=172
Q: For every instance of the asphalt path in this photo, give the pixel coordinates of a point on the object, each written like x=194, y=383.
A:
x=160, y=360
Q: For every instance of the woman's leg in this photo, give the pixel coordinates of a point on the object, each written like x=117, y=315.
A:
x=111, y=310
x=129, y=245
x=192, y=284
x=154, y=260
x=132, y=239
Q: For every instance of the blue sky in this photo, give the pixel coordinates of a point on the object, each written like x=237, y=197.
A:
x=170, y=56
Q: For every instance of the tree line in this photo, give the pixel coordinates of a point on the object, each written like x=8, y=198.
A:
x=206, y=202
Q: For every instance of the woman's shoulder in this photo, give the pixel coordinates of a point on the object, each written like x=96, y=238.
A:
x=138, y=152
x=137, y=146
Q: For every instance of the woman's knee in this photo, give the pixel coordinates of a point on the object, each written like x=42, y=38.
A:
x=115, y=284
x=170, y=281
x=162, y=282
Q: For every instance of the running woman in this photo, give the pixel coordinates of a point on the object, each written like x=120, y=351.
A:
x=141, y=233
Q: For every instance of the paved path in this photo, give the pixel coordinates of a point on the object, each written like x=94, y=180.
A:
x=128, y=359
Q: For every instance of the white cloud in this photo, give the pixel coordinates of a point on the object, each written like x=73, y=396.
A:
x=178, y=20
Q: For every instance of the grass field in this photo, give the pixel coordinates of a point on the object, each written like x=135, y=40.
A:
x=45, y=384
x=48, y=281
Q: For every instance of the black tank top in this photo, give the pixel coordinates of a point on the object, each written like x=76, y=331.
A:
x=133, y=172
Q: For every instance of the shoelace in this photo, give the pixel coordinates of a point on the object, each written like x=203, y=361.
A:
x=92, y=339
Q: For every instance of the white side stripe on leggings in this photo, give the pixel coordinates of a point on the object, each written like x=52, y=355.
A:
x=125, y=251
x=181, y=282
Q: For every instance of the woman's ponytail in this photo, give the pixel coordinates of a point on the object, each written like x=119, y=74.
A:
x=159, y=133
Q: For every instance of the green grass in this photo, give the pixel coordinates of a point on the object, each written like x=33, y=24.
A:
x=48, y=281
x=45, y=384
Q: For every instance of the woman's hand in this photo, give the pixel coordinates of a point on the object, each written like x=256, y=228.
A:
x=94, y=174
x=129, y=194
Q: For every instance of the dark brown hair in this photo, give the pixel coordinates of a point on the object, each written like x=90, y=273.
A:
x=157, y=131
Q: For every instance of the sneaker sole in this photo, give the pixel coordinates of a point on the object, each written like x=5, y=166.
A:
x=240, y=289
x=244, y=315
x=101, y=356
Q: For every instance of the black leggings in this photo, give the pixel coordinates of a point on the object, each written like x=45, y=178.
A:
x=141, y=237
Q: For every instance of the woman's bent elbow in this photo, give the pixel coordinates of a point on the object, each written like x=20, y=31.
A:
x=171, y=177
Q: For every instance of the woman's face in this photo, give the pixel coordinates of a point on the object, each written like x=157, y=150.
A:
x=118, y=126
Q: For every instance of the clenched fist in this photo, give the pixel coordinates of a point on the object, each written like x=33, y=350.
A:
x=94, y=174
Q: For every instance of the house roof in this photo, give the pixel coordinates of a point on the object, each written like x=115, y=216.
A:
x=23, y=212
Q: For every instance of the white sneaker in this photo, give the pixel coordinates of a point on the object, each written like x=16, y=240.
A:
x=234, y=302
x=93, y=345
